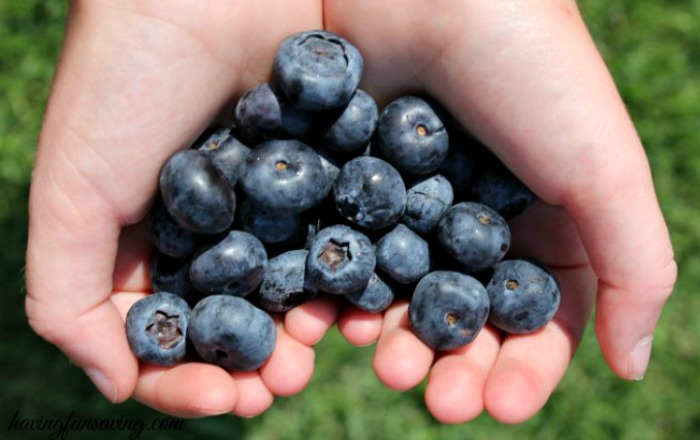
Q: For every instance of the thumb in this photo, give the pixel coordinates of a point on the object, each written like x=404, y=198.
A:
x=70, y=260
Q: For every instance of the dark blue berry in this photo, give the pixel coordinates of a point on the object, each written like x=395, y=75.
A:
x=370, y=193
x=283, y=285
x=375, y=297
x=340, y=260
x=264, y=113
x=269, y=228
x=169, y=236
x=524, y=296
x=497, y=187
x=403, y=255
x=230, y=332
x=474, y=234
x=448, y=309
x=171, y=275
x=233, y=266
x=412, y=135
x=317, y=70
x=427, y=200
x=284, y=177
x=461, y=163
x=226, y=152
x=156, y=328
x=350, y=128
x=196, y=194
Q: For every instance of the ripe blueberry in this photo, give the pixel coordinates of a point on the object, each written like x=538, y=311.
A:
x=370, y=193
x=233, y=266
x=448, y=309
x=474, y=234
x=282, y=177
x=264, y=113
x=230, y=332
x=340, y=260
x=427, y=200
x=403, y=255
x=317, y=70
x=156, y=328
x=227, y=153
x=283, y=285
x=375, y=297
x=350, y=128
x=412, y=136
x=524, y=296
x=197, y=195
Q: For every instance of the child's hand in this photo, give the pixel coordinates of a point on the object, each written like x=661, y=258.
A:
x=135, y=82
x=526, y=78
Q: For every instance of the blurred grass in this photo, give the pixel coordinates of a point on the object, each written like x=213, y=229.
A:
x=653, y=50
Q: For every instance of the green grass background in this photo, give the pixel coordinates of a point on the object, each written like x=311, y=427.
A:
x=653, y=50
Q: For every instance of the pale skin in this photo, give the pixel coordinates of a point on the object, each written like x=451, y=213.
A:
x=136, y=82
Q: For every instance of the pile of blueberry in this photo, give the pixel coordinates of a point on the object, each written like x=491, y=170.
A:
x=314, y=191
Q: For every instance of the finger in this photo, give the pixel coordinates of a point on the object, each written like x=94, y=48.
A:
x=69, y=275
x=290, y=366
x=529, y=367
x=190, y=389
x=253, y=396
x=455, y=389
x=360, y=328
x=309, y=322
x=401, y=360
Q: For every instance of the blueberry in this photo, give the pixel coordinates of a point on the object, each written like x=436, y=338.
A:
x=412, y=135
x=524, y=296
x=264, y=113
x=196, y=194
x=169, y=236
x=269, y=228
x=226, y=152
x=233, y=266
x=283, y=285
x=317, y=70
x=448, y=309
x=330, y=166
x=460, y=165
x=427, y=200
x=370, y=193
x=474, y=234
x=350, y=128
x=282, y=177
x=171, y=275
x=156, y=328
x=403, y=255
x=375, y=297
x=230, y=332
x=340, y=260
x=497, y=187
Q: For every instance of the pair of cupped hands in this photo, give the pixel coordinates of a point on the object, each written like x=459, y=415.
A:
x=139, y=79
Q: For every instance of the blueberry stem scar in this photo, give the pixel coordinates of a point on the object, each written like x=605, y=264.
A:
x=166, y=329
x=484, y=220
x=335, y=254
x=451, y=319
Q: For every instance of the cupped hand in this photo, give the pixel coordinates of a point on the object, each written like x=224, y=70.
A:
x=527, y=80
x=136, y=82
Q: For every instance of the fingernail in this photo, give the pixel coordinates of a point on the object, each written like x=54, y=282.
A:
x=639, y=357
x=106, y=386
